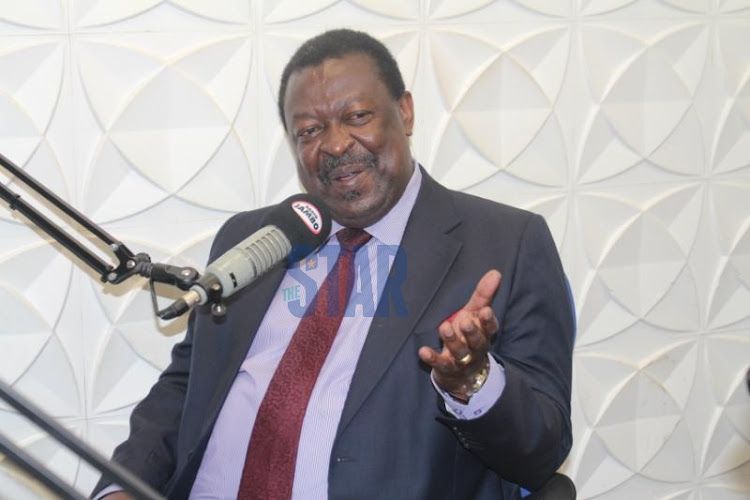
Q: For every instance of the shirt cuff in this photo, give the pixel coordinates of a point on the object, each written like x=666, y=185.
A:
x=482, y=400
x=112, y=488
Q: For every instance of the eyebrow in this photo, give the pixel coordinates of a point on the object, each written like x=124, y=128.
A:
x=347, y=103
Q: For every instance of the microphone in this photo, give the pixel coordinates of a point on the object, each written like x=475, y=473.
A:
x=294, y=229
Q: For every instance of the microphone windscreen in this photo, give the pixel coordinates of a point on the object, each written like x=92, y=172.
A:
x=305, y=221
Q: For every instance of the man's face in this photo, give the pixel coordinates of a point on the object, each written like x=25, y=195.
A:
x=351, y=137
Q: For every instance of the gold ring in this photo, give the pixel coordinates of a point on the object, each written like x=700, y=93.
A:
x=465, y=360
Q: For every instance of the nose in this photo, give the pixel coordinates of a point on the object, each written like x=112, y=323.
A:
x=336, y=140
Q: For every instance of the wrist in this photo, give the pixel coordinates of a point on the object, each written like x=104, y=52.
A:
x=464, y=393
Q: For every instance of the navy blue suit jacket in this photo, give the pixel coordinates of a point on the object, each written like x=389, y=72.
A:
x=394, y=440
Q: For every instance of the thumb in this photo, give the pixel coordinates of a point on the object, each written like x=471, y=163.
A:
x=485, y=290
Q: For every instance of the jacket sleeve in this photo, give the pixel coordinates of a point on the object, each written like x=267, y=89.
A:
x=527, y=433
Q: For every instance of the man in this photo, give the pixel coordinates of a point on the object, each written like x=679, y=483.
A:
x=456, y=387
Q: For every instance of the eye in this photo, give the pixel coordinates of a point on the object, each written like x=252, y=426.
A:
x=360, y=117
x=306, y=132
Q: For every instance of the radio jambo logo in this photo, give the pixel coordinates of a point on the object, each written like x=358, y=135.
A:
x=309, y=215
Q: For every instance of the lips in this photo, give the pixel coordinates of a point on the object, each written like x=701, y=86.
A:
x=344, y=168
x=346, y=173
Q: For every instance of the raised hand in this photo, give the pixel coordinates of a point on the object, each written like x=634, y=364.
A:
x=467, y=336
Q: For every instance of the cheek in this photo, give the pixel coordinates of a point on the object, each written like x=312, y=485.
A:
x=306, y=162
x=370, y=140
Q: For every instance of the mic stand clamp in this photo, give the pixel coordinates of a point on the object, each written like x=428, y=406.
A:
x=218, y=308
x=207, y=290
x=212, y=294
x=180, y=277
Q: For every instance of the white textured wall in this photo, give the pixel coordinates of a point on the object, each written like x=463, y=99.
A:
x=624, y=122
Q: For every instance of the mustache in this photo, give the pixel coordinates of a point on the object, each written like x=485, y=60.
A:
x=331, y=163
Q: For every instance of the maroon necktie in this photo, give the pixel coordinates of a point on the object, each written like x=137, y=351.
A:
x=272, y=452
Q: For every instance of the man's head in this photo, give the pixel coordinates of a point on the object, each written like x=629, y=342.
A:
x=348, y=117
x=336, y=44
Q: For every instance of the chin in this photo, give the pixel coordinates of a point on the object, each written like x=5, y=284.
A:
x=363, y=216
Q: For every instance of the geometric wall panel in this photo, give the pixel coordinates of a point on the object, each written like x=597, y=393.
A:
x=37, y=14
x=277, y=11
x=641, y=255
x=728, y=439
x=91, y=13
x=732, y=142
x=30, y=305
x=189, y=150
x=644, y=90
x=31, y=74
x=730, y=291
x=500, y=103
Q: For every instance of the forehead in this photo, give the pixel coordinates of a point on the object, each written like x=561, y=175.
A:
x=335, y=79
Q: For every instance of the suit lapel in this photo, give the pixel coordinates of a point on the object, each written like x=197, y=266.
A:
x=428, y=252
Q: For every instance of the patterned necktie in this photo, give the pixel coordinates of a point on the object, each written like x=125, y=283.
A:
x=272, y=452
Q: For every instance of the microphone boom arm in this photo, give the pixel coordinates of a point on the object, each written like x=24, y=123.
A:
x=128, y=263
x=112, y=470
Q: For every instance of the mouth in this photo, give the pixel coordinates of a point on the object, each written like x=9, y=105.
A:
x=346, y=174
x=344, y=169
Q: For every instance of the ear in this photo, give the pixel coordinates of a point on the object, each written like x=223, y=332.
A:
x=406, y=107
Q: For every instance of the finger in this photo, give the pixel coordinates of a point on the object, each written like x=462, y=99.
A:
x=485, y=290
x=453, y=338
x=488, y=321
x=471, y=329
x=440, y=362
x=428, y=355
x=479, y=341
